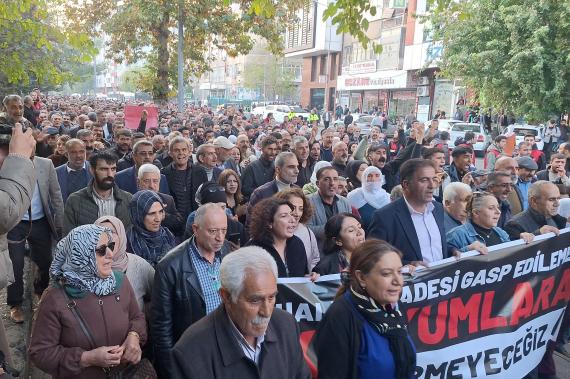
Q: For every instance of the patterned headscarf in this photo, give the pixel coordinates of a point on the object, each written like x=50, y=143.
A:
x=120, y=258
x=151, y=246
x=75, y=261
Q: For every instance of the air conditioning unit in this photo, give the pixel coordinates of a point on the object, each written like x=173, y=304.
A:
x=423, y=81
x=422, y=91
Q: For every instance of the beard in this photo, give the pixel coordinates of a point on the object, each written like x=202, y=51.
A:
x=105, y=183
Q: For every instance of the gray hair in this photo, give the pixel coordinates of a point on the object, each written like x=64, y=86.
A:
x=236, y=266
x=494, y=176
x=202, y=210
x=176, y=140
x=84, y=133
x=396, y=193
x=535, y=189
x=72, y=142
x=201, y=149
x=478, y=200
x=139, y=144
x=147, y=168
x=299, y=139
x=451, y=191
x=282, y=157
x=337, y=144
x=10, y=98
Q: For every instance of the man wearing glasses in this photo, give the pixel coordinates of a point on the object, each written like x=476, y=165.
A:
x=500, y=184
x=186, y=283
x=126, y=179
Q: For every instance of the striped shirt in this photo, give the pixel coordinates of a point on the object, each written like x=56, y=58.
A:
x=208, y=276
x=106, y=205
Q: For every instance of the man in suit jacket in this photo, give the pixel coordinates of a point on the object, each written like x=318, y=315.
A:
x=186, y=283
x=241, y=338
x=74, y=175
x=40, y=226
x=149, y=179
x=126, y=179
x=414, y=224
x=286, y=171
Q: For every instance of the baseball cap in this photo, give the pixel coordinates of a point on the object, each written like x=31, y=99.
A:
x=223, y=142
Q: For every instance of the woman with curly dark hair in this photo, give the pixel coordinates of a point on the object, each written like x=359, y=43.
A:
x=272, y=227
x=302, y=212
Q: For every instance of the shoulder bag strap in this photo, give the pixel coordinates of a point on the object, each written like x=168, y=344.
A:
x=72, y=306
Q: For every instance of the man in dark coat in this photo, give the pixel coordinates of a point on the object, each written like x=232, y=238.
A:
x=186, y=283
x=542, y=214
x=243, y=338
x=260, y=171
x=414, y=223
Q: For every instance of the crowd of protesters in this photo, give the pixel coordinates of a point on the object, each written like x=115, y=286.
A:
x=170, y=239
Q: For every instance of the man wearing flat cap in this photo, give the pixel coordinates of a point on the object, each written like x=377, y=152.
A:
x=526, y=176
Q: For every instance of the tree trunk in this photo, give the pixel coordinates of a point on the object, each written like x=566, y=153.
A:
x=161, y=86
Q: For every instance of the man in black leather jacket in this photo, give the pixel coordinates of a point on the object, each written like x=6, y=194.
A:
x=186, y=283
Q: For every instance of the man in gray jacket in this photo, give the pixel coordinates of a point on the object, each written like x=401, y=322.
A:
x=326, y=203
x=17, y=181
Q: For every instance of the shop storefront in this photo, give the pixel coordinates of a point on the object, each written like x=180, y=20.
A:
x=401, y=103
x=377, y=90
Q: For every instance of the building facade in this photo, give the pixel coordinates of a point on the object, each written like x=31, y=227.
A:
x=319, y=47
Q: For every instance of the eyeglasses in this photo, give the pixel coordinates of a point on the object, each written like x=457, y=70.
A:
x=102, y=250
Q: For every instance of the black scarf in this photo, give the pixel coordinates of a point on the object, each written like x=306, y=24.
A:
x=390, y=323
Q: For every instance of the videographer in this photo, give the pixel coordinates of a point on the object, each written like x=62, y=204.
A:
x=17, y=181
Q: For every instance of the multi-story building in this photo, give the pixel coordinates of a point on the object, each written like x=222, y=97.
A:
x=399, y=80
x=256, y=76
x=319, y=46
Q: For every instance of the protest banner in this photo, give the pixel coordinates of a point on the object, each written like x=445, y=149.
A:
x=133, y=115
x=482, y=316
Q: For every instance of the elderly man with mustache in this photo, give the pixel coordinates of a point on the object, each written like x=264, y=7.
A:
x=229, y=342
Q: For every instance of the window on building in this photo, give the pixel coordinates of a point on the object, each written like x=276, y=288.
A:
x=323, y=70
x=313, y=69
x=333, y=66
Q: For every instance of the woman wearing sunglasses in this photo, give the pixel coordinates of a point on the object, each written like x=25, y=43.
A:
x=481, y=230
x=146, y=237
x=88, y=322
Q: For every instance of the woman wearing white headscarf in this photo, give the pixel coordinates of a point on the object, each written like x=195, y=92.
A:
x=311, y=187
x=370, y=196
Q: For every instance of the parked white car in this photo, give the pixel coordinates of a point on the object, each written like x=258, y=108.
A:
x=521, y=130
x=279, y=111
x=445, y=124
x=483, y=138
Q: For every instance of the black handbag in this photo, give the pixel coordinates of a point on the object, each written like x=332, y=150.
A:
x=141, y=370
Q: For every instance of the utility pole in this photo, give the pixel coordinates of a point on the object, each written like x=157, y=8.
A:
x=94, y=75
x=180, y=56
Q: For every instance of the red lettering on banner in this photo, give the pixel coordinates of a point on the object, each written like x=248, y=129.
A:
x=543, y=298
x=411, y=313
x=460, y=311
x=523, y=299
x=424, y=333
x=563, y=292
x=488, y=322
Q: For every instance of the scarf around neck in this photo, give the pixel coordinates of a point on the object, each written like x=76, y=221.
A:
x=390, y=323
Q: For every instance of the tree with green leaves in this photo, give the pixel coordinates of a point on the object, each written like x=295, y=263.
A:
x=143, y=30
x=515, y=53
x=271, y=77
x=35, y=50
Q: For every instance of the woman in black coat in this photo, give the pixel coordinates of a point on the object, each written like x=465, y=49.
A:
x=272, y=227
x=343, y=234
